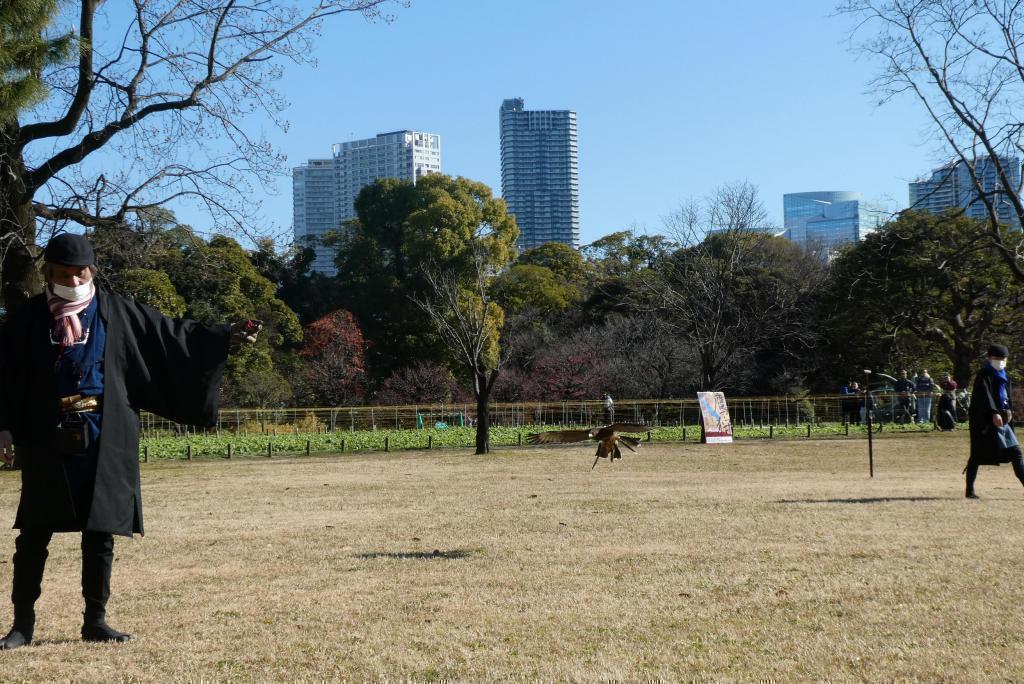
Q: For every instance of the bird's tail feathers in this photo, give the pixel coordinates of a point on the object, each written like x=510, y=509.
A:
x=630, y=442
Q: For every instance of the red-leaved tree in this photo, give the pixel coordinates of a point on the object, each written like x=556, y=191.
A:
x=421, y=383
x=568, y=371
x=334, y=360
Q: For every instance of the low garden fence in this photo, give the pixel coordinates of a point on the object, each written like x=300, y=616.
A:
x=744, y=411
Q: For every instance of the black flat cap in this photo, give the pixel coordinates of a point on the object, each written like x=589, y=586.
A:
x=998, y=350
x=70, y=250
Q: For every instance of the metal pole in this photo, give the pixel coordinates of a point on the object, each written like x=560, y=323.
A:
x=867, y=414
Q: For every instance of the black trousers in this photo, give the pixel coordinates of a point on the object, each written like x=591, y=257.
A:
x=972, y=471
x=30, y=558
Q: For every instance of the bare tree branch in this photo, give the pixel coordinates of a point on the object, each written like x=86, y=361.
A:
x=156, y=110
x=961, y=60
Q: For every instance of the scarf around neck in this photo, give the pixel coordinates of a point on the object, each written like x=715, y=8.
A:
x=65, y=314
x=1000, y=378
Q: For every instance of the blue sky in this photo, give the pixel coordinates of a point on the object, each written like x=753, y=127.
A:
x=673, y=99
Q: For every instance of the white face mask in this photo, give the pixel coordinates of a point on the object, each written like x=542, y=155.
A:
x=998, y=364
x=73, y=294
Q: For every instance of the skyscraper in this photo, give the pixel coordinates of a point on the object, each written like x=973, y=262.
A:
x=324, y=190
x=830, y=219
x=951, y=186
x=540, y=173
x=314, y=206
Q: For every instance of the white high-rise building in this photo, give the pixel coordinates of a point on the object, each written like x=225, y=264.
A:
x=324, y=190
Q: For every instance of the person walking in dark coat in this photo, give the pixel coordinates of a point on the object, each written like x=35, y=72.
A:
x=76, y=367
x=993, y=441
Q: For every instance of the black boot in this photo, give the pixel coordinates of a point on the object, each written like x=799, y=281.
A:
x=16, y=638
x=99, y=630
x=97, y=563
x=29, y=561
x=972, y=474
x=21, y=633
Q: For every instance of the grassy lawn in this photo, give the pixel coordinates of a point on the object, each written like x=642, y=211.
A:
x=758, y=560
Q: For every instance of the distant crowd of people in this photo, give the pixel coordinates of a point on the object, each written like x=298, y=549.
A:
x=910, y=400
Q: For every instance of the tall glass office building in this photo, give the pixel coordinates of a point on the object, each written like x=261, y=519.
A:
x=827, y=220
x=540, y=173
x=951, y=187
x=324, y=190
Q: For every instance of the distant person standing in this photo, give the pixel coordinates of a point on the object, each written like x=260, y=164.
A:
x=924, y=388
x=853, y=403
x=993, y=441
x=948, y=384
x=903, y=388
x=946, y=412
x=609, y=409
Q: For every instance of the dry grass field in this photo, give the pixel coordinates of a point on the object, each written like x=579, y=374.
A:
x=753, y=561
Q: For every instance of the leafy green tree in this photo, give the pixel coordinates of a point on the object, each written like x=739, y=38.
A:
x=526, y=288
x=564, y=262
x=415, y=268
x=310, y=295
x=626, y=252
x=25, y=50
x=402, y=230
x=544, y=281
x=220, y=283
x=155, y=289
x=617, y=265
x=924, y=286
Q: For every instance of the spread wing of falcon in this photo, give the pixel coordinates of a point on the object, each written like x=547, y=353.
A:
x=627, y=427
x=559, y=437
x=608, y=438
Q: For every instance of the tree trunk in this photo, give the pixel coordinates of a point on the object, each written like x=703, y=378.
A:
x=483, y=385
x=963, y=363
x=19, y=278
x=483, y=413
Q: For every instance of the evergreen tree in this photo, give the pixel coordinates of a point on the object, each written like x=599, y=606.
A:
x=25, y=50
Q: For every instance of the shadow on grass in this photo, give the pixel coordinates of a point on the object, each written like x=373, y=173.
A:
x=453, y=554
x=865, y=500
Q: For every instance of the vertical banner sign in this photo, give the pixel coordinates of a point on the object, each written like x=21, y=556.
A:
x=714, y=412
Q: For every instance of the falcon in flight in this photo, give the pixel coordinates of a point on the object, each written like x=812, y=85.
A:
x=607, y=437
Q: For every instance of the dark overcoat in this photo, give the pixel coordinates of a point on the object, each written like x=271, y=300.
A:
x=151, y=363
x=985, y=447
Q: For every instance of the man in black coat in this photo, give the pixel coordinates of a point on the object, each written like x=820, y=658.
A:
x=993, y=441
x=76, y=366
